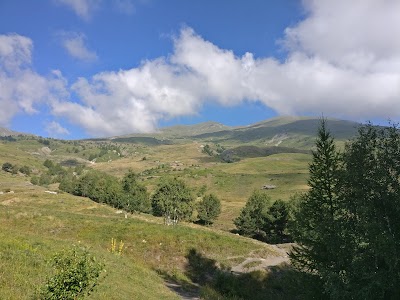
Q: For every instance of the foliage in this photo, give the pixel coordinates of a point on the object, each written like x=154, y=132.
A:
x=209, y=208
x=48, y=163
x=44, y=141
x=173, y=200
x=276, y=222
x=104, y=188
x=251, y=221
x=348, y=225
x=35, y=180
x=207, y=150
x=136, y=198
x=100, y=187
x=7, y=167
x=25, y=170
x=370, y=191
x=44, y=179
x=76, y=275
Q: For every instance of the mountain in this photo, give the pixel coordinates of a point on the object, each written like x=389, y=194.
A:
x=193, y=130
x=8, y=132
x=295, y=132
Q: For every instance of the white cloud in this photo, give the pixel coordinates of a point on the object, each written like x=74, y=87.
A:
x=343, y=60
x=75, y=44
x=359, y=78
x=83, y=8
x=55, y=129
x=358, y=34
x=21, y=89
x=15, y=50
x=124, y=6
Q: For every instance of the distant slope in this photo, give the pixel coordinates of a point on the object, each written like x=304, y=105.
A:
x=285, y=131
x=172, y=134
x=294, y=132
x=8, y=132
x=193, y=130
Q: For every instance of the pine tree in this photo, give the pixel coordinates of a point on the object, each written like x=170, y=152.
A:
x=317, y=227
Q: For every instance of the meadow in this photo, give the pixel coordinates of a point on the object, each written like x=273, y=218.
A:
x=156, y=261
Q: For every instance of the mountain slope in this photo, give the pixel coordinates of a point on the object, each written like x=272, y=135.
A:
x=295, y=132
x=8, y=132
x=286, y=131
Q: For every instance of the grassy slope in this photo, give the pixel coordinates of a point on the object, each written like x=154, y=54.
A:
x=232, y=183
x=34, y=225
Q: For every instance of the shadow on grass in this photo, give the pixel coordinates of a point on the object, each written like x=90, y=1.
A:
x=270, y=239
x=203, y=277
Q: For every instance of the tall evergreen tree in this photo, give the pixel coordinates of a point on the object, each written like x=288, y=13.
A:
x=317, y=227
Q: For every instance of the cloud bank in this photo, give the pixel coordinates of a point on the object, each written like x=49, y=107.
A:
x=75, y=45
x=83, y=8
x=21, y=88
x=55, y=129
x=342, y=60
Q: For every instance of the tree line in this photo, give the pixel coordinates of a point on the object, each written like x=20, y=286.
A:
x=173, y=199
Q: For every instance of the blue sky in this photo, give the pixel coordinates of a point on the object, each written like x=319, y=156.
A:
x=91, y=68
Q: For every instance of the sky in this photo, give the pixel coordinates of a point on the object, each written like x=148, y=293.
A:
x=76, y=69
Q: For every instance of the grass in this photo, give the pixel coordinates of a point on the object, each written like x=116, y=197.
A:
x=232, y=183
x=34, y=225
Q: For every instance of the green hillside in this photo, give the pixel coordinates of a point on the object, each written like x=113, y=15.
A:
x=285, y=131
x=294, y=132
x=35, y=225
x=158, y=261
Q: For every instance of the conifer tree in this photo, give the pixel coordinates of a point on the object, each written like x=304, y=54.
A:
x=317, y=227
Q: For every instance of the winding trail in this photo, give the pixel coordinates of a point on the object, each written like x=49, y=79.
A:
x=255, y=263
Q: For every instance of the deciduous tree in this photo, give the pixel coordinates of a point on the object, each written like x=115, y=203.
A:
x=209, y=208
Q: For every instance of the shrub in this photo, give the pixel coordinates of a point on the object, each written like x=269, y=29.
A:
x=76, y=275
x=25, y=170
x=35, y=180
x=7, y=167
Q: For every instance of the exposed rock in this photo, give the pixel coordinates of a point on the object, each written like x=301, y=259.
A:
x=268, y=187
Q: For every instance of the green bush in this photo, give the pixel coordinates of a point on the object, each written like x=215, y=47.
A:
x=25, y=170
x=7, y=167
x=76, y=274
x=35, y=180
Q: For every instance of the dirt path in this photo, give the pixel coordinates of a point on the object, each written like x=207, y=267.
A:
x=184, y=294
x=251, y=264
